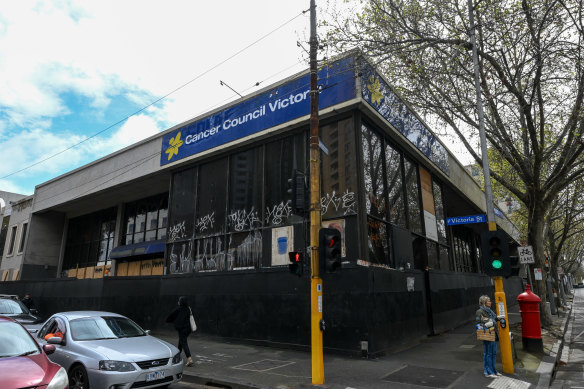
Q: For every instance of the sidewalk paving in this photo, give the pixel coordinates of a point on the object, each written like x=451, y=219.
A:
x=449, y=360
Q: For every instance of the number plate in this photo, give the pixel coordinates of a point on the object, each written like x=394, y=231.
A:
x=155, y=375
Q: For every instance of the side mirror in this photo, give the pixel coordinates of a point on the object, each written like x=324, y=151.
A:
x=49, y=348
x=147, y=332
x=55, y=340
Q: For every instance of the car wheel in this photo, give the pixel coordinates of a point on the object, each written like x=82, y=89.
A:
x=78, y=378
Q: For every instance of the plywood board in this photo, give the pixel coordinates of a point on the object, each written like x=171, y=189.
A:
x=72, y=272
x=5, y=274
x=81, y=273
x=107, y=270
x=122, y=269
x=134, y=268
x=15, y=274
x=89, y=271
x=146, y=267
x=427, y=193
x=158, y=267
x=98, y=272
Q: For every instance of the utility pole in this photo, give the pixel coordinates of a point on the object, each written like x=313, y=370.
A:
x=500, y=300
x=315, y=213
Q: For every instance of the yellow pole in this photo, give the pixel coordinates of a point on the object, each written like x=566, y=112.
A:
x=504, y=338
x=315, y=214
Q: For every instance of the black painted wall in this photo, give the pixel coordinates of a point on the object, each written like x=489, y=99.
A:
x=273, y=307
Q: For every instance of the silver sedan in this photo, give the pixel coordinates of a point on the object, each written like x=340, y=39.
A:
x=103, y=350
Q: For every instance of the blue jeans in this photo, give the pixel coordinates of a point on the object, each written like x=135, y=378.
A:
x=489, y=357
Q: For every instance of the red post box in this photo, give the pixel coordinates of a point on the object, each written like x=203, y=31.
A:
x=530, y=321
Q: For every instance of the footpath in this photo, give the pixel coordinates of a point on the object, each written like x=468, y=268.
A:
x=570, y=371
x=449, y=360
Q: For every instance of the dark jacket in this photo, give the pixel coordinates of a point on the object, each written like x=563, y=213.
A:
x=180, y=316
x=28, y=303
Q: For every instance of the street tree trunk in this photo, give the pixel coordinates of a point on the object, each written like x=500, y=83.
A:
x=535, y=233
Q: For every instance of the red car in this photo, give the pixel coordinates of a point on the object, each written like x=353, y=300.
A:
x=23, y=363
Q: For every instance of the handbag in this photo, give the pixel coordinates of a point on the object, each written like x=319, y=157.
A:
x=192, y=321
x=484, y=333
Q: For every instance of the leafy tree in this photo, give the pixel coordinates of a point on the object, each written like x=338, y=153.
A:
x=531, y=76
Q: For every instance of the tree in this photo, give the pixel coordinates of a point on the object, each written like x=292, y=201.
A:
x=531, y=76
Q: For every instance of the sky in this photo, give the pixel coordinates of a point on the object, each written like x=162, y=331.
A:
x=82, y=79
x=121, y=71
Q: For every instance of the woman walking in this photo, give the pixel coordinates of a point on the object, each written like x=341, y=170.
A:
x=180, y=317
x=486, y=317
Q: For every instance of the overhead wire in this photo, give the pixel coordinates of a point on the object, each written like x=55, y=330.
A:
x=156, y=101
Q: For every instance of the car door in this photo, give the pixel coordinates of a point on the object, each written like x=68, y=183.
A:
x=56, y=326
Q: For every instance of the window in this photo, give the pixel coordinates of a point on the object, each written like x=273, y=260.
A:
x=413, y=197
x=12, y=240
x=395, y=189
x=144, y=220
x=339, y=181
x=373, y=173
x=182, y=205
x=22, y=238
x=90, y=239
x=282, y=158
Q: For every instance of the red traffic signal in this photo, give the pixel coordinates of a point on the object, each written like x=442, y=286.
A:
x=330, y=249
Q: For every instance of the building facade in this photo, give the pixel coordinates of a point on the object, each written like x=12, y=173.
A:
x=202, y=210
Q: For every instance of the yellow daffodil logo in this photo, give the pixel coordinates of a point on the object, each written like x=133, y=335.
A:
x=174, y=143
x=375, y=90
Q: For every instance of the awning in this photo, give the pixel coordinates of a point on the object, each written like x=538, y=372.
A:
x=132, y=250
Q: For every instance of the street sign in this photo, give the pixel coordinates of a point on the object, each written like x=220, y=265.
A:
x=451, y=221
x=525, y=255
x=537, y=273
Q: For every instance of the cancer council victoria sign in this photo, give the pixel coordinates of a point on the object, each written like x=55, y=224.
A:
x=276, y=106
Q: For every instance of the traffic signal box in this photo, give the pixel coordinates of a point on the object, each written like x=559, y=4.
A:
x=495, y=254
x=296, y=265
x=329, y=249
x=297, y=192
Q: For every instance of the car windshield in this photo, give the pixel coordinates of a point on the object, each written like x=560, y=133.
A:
x=104, y=327
x=15, y=341
x=12, y=307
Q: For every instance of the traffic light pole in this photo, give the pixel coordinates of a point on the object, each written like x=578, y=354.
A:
x=315, y=213
x=505, y=342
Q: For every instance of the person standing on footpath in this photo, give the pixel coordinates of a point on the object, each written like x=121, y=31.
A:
x=488, y=319
x=180, y=317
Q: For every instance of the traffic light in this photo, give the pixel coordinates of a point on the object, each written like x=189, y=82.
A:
x=329, y=249
x=296, y=265
x=495, y=254
x=297, y=193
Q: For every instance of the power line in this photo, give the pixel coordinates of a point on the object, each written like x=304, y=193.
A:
x=157, y=100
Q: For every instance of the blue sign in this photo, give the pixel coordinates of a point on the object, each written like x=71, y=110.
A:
x=280, y=105
x=452, y=221
x=381, y=97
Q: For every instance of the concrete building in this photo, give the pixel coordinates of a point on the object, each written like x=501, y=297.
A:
x=201, y=210
x=12, y=235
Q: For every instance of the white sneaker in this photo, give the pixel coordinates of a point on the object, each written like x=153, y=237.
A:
x=491, y=376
